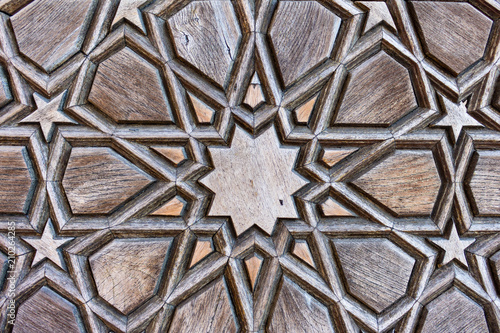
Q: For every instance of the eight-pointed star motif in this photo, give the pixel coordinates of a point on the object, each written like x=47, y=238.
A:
x=456, y=117
x=254, y=181
x=47, y=245
x=47, y=114
x=454, y=246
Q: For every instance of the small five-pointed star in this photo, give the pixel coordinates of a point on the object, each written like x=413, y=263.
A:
x=129, y=10
x=378, y=12
x=456, y=117
x=47, y=245
x=454, y=246
x=47, y=114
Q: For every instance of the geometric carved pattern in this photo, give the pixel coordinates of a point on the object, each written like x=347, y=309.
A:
x=485, y=183
x=376, y=270
x=311, y=315
x=213, y=311
x=271, y=165
x=44, y=308
x=98, y=179
x=392, y=94
x=462, y=314
x=56, y=27
x=128, y=89
x=406, y=182
x=15, y=179
x=468, y=32
x=123, y=280
x=206, y=34
x=303, y=43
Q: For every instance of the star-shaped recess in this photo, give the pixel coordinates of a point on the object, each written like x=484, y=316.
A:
x=47, y=114
x=47, y=245
x=253, y=181
x=454, y=246
x=456, y=117
x=129, y=10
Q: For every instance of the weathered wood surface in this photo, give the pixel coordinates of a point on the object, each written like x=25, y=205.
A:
x=250, y=166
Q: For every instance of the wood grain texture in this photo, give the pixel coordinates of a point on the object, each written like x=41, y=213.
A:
x=175, y=155
x=98, y=179
x=406, y=182
x=173, y=207
x=331, y=156
x=201, y=250
x=309, y=315
x=467, y=30
x=332, y=208
x=485, y=183
x=126, y=271
x=212, y=307
x=15, y=179
x=390, y=94
x=302, y=251
x=453, y=311
x=253, y=181
x=204, y=114
x=253, y=265
x=303, y=112
x=47, y=312
x=57, y=28
x=304, y=42
x=254, y=95
x=128, y=88
x=206, y=34
x=377, y=272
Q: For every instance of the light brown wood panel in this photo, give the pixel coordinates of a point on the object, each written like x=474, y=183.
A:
x=249, y=166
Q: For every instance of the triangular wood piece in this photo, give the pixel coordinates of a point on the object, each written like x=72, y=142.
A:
x=333, y=156
x=303, y=112
x=174, y=154
x=204, y=113
x=202, y=249
x=254, y=96
x=332, y=208
x=253, y=267
x=302, y=251
x=173, y=207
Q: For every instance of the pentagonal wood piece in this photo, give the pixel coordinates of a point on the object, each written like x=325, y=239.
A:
x=297, y=311
x=15, y=179
x=128, y=88
x=172, y=207
x=126, y=271
x=406, y=182
x=302, y=43
x=56, y=27
x=453, y=311
x=391, y=93
x=206, y=34
x=98, y=179
x=207, y=311
x=377, y=271
x=47, y=312
x=467, y=32
x=485, y=183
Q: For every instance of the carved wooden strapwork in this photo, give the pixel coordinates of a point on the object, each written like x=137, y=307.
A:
x=250, y=166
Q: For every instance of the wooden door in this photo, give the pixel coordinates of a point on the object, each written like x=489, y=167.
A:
x=249, y=166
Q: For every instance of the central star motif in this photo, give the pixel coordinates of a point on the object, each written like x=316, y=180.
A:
x=254, y=181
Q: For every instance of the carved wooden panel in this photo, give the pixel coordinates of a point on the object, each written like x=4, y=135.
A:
x=249, y=166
